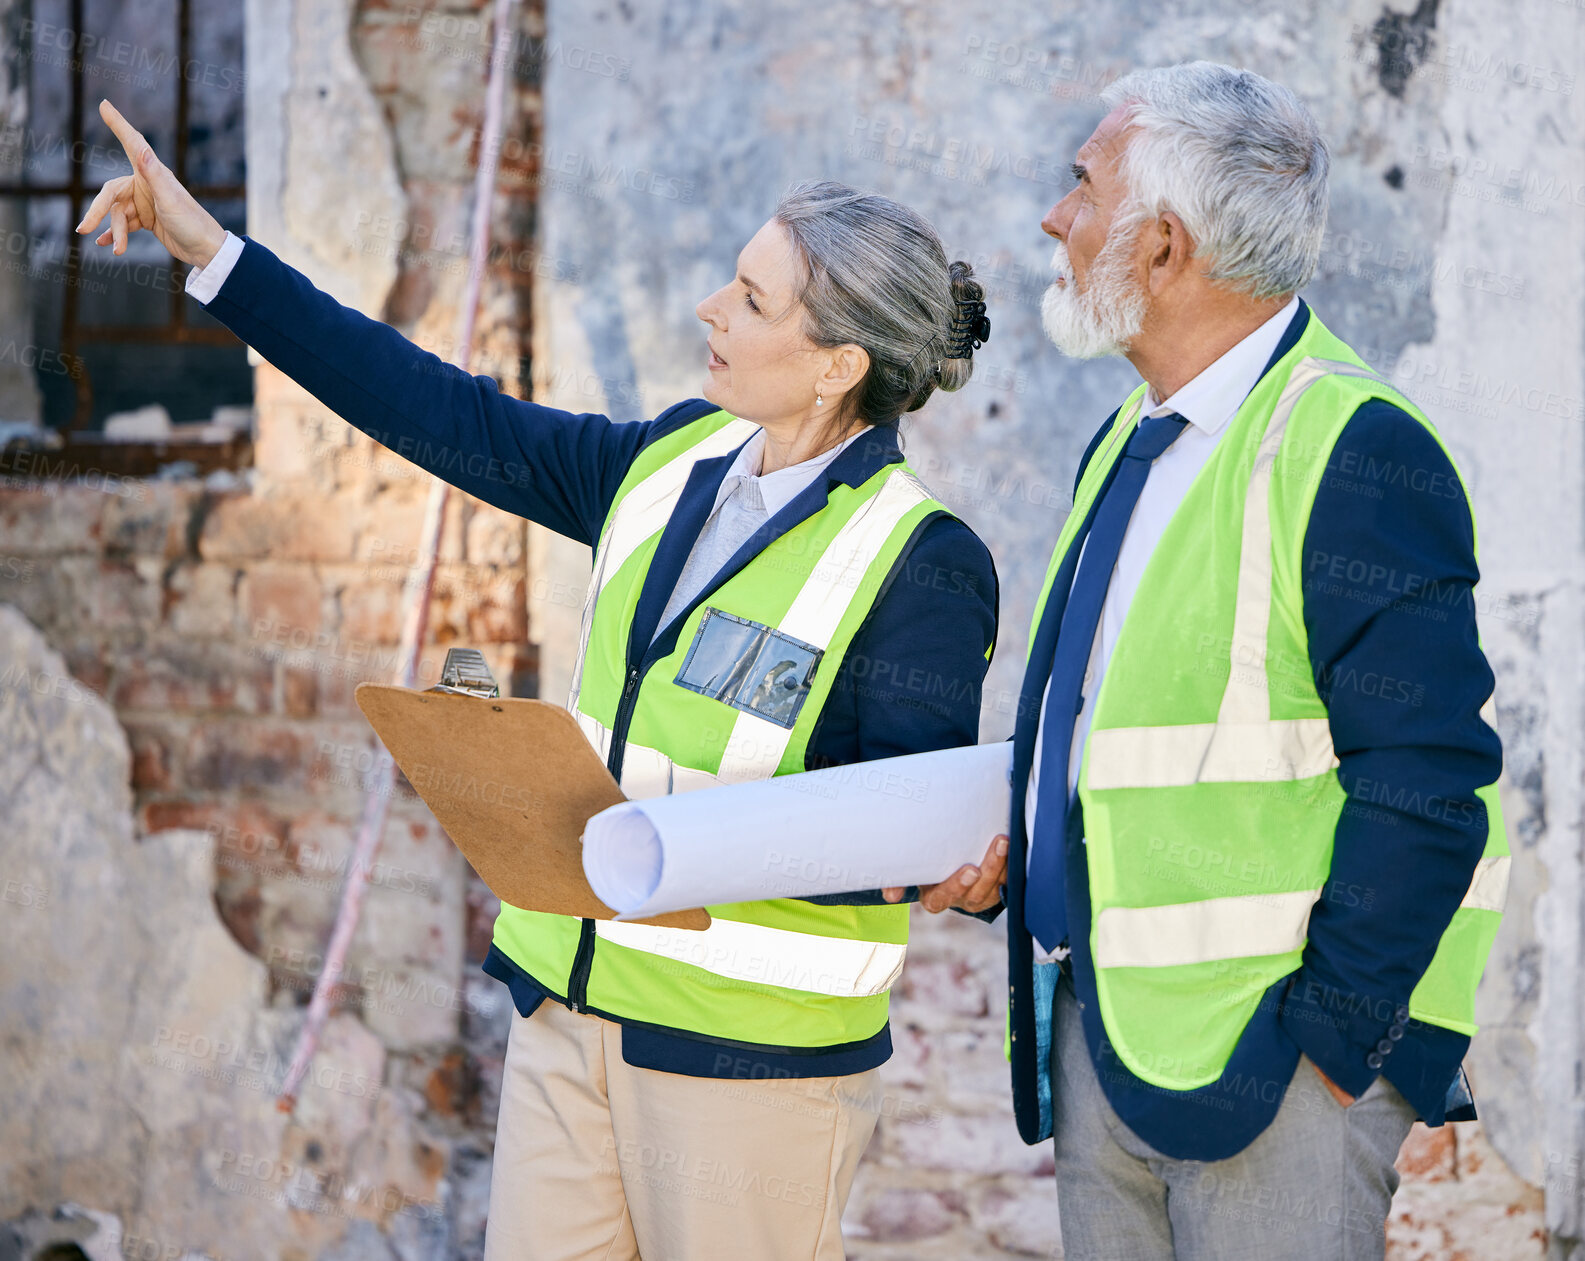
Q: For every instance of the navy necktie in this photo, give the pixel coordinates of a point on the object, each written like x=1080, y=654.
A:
x=1045, y=910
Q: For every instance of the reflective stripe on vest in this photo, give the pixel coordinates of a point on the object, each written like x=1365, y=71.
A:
x=755, y=748
x=753, y=751
x=830, y=966
x=834, y=966
x=643, y=512
x=1244, y=744
x=1241, y=927
x=646, y=772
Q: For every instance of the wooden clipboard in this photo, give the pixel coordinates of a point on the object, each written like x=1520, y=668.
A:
x=513, y=782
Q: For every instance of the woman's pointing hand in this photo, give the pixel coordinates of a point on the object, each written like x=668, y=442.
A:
x=153, y=198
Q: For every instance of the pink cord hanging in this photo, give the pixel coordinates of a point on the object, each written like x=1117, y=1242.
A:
x=419, y=588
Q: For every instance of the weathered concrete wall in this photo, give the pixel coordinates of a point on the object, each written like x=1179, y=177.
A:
x=141, y=1049
x=1452, y=262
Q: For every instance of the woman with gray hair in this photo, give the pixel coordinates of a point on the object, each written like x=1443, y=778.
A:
x=773, y=591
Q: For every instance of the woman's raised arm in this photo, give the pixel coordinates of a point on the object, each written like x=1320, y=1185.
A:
x=556, y=468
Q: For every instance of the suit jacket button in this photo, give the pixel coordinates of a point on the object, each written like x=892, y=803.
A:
x=1374, y=1061
x=1401, y=1015
x=1384, y=1046
x=1395, y=1032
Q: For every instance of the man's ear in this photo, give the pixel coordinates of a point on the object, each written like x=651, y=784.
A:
x=1171, y=252
x=845, y=368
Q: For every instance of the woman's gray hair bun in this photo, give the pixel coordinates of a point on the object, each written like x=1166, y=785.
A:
x=876, y=276
x=971, y=328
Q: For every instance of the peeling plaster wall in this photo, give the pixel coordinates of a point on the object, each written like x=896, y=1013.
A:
x=308, y=99
x=1453, y=262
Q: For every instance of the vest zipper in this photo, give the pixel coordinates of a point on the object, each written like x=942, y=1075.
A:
x=578, y=981
x=624, y=716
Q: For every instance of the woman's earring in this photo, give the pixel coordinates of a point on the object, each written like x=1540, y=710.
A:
x=819, y=401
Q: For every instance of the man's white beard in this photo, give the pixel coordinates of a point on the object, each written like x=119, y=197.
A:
x=1108, y=314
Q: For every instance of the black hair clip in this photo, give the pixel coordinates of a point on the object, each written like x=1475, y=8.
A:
x=971, y=329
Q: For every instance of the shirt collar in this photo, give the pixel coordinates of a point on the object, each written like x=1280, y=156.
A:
x=776, y=489
x=1212, y=398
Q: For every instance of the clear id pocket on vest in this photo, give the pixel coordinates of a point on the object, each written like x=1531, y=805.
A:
x=750, y=667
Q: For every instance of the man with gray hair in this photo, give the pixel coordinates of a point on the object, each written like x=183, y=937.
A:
x=1256, y=860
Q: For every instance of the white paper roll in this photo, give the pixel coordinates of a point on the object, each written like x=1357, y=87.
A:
x=899, y=821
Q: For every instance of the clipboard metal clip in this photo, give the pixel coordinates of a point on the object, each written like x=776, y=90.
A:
x=466, y=674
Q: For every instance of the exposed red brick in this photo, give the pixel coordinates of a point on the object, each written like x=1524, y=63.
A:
x=452, y=1087
x=255, y=757
x=481, y=908
x=48, y=519
x=88, y=663
x=184, y=676
x=1430, y=1155
x=371, y=611
x=299, y=692
x=240, y=826
x=251, y=842
x=282, y=604
x=153, y=522
x=247, y=526
x=151, y=758
x=239, y=901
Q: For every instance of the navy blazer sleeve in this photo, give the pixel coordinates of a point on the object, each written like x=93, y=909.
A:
x=1389, y=576
x=912, y=677
x=553, y=467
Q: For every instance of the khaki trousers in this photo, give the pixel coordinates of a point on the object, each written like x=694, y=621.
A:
x=597, y=1159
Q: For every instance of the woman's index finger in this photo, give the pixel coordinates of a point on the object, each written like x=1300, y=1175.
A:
x=130, y=137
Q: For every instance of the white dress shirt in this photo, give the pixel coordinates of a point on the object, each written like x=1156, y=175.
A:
x=1208, y=403
x=204, y=282
x=745, y=500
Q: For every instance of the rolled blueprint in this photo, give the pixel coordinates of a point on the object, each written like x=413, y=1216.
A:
x=899, y=821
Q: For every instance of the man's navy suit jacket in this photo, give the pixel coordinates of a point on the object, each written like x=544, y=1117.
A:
x=1389, y=610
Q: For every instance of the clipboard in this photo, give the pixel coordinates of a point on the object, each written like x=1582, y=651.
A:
x=512, y=782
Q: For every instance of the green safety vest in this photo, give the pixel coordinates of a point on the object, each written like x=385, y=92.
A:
x=1208, y=779
x=778, y=972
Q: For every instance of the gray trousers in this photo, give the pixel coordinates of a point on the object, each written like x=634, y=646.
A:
x=1314, y=1186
